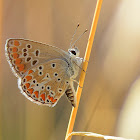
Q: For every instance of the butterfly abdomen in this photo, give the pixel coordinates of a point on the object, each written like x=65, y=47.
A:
x=70, y=95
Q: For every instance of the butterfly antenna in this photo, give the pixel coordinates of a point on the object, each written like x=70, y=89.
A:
x=74, y=35
x=79, y=38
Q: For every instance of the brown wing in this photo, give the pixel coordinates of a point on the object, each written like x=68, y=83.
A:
x=46, y=83
x=23, y=54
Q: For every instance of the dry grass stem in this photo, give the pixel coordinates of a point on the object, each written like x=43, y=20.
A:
x=90, y=134
x=85, y=64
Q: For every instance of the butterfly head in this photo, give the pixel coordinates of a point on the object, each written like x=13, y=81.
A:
x=74, y=52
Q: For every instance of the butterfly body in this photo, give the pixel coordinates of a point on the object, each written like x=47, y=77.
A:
x=44, y=72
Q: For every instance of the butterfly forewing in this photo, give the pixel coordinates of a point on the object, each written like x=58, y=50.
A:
x=24, y=54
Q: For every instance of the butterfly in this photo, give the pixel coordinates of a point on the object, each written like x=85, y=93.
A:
x=44, y=72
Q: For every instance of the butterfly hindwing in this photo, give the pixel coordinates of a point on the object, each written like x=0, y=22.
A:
x=24, y=54
x=46, y=82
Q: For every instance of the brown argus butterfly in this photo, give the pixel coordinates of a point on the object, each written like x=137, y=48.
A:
x=44, y=72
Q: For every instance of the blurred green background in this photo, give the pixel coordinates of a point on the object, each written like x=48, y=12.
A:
x=110, y=99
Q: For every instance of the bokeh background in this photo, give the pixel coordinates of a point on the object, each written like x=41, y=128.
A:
x=110, y=99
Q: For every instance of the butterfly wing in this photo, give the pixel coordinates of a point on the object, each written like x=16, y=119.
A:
x=33, y=63
x=23, y=54
x=45, y=83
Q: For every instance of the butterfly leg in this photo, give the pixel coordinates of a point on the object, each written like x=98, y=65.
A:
x=82, y=69
x=79, y=62
x=84, y=60
x=76, y=82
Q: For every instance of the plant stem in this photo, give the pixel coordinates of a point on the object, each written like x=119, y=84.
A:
x=85, y=64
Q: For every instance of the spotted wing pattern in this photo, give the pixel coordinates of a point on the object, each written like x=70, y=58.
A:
x=46, y=83
x=23, y=54
x=43, y=71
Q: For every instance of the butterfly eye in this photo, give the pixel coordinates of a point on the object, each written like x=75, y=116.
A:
x=73, y=52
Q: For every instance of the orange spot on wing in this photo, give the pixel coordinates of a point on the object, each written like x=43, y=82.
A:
x=21, y=67
x=16, y=43
x=36, y=94
x=43, y=97
x=17, y=61
x=15, y=55
x=30, y=71
x=30, y=90
x=27, y=85
x=24, y=71
x=28, y=78
x=14, y=49
x=51, y=99
x=54, y=100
